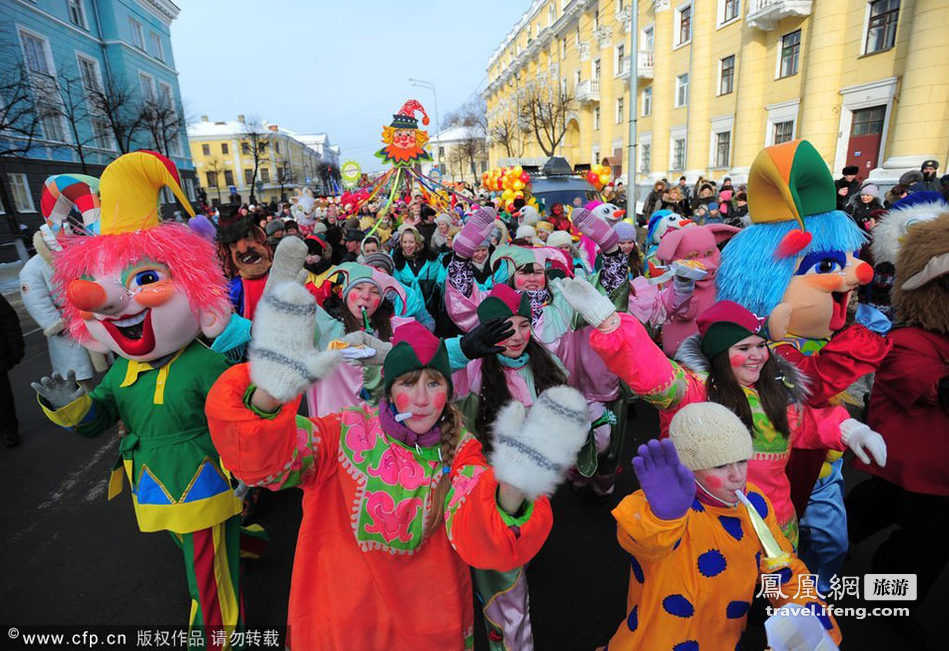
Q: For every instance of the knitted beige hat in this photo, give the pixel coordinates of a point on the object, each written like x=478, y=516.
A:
x=707, y=435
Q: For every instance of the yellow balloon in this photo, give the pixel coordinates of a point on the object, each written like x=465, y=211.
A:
x=518, y=195
x=518, y=169
x=518, y=185
x=508, y=195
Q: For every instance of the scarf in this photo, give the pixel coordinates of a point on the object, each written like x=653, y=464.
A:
x=401, y=432
x=538, y=298
x=513, y=362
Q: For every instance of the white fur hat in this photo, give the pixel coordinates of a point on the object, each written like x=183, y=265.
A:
x=707, y=435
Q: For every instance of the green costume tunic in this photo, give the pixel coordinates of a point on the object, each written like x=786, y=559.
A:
x=178, y=482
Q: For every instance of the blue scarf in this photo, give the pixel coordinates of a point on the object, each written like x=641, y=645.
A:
x=513, y=362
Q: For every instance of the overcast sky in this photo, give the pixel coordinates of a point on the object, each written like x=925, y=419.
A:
x=340, y=67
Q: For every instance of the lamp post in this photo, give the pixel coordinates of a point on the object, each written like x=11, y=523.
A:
x=431, y=86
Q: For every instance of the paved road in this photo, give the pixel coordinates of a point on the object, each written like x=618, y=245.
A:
x=71, y=557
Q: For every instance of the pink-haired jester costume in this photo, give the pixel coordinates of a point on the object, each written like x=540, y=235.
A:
x=145, y=291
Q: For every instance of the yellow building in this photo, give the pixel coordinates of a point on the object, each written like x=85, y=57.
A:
x=223, y=154
x=866, y=81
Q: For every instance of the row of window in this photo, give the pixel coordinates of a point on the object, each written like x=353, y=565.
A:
x=245, y=148
x=38, y=59
x=263, y=175
x=77, y=16
x=720, y=147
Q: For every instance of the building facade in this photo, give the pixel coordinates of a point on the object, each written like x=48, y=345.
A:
x=224, y=153
x=84, y=81
x=459, y=154
x=866, y=81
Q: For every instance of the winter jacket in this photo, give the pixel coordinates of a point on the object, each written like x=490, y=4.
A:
x=12, y=345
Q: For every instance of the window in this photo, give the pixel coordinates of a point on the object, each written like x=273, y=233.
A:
x=723, y=142
x=280, y=173
x=726, y=82
x=596, y=70
x=224, y=148
x=647, y=101
x=596, y=20
x=563, y=47
x=147, y=85
x=684, y=21
x=102, y=133
x=157, y=48
x=620, y=59
x=576, y=78
x=206, y=150
x=649, y=39
x=228, y=178
x=619, y=110
x=164, y=94
x=245, y=147
x=277, y=146
x=212, y=179
x=682, y=90
x=790, y=53
x=248, y=177
x=645, y=156
x=881, y=30
x=77, y=16
x=730, y=10
x=596, y=118
x=89, y=74
x=678, y=153
x=265, y=174
x=20, y=192
x=48, y=102
x=868, y=120
x=138, y=36
x=783, y=131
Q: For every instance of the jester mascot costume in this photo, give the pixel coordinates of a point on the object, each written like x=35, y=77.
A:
x=145, y=291
x=797, y=264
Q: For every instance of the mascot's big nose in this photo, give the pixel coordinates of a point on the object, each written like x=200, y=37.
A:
x=863, y=272
x=90, y=296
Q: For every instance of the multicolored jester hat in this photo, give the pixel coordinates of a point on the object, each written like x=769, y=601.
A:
x=404, y=141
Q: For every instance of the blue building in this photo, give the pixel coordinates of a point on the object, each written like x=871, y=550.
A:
x=95, y=78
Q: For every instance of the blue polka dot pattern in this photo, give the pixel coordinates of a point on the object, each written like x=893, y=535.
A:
x=688, y=645
x=736, y=609
x=785, y=573
x=637, y=568
x=815, y=608
x=632, y=622
x=676, y=604
x=697, y=505
x=732, y=526
x=712, y=563
x=760, y=505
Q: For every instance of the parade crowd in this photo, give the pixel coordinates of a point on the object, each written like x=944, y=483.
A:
x=428, y=366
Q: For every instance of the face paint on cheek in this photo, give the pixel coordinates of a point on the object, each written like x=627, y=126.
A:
x=402, y=402
x=826, y=282
x=738, y=359
x=712, y=482
x=439, y=400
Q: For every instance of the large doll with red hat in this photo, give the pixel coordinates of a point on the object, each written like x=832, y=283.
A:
x=145, y=291
x=246, y=258
x=796, y=265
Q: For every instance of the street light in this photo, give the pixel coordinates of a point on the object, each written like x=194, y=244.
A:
x=431, y=86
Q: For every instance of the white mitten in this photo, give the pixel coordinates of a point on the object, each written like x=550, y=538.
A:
x=585, y=299
x=378, y=347
x=283, y=358
x=862, y=440
x=533, y=453
x=287, y=263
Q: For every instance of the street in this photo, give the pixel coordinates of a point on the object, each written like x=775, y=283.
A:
x=71, y=557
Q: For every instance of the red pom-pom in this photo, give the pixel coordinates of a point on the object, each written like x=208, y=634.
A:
x=793, y=243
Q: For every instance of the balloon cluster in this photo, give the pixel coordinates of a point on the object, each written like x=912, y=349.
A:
x=512, y=182
x=598, y=176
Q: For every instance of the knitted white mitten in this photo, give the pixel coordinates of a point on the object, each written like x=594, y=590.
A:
x=533, y=450
x=283, y=358
x=593, y=306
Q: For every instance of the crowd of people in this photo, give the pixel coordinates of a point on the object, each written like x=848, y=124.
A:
x=428, y=366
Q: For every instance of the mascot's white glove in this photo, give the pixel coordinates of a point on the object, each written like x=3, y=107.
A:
x=58, y=391
x=862, y=440
x=372, y=344
x=593, y=306
x=283, y=358
x=533, y=450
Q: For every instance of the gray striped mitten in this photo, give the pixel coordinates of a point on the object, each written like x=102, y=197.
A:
x=283, y=358
x=533, y=450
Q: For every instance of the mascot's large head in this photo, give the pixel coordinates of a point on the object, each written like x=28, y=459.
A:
x=796, y=263
x=921, y=287
x=242, y=246
x=141, y=289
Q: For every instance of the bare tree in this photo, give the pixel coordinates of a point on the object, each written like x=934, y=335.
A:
x=286, y=175
x=74, y=108
x=214, y=170
x=162, y=119
x=118, y=103
x=20, y=126
x=506, y=131
x=254, y=142
x=544, y=110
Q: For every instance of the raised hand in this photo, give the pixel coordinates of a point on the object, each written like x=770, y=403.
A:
x=57, y=390
x=483, y=340
x=585, y=299
x=362, y=338
x=474, y=232
x=669, y=486
x=595, y=228
x=287, y=262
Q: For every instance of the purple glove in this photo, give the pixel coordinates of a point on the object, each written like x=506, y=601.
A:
x=474, y=232
x=595, y=228
x=669, y=486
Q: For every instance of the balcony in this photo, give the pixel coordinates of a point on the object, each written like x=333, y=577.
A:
x=588, y=91
x=645, y=65
x=765, y=14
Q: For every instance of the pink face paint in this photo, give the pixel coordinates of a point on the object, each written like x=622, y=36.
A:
x=439, y=400
x=402, y=402
x=712, y=482
x=737, y=359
